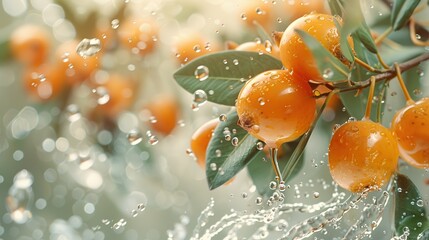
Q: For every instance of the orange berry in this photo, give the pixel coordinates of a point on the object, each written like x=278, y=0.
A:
x=115, y=94
x=257, y=11
x=200, y=141
x=76, y=68
x=411, y=127
x=276, y=107
x=296, y=56
x=362, y=155
x=139, y=35
x=257, y=46
x=298, y=8
x=191, y=45
x=165, y=112
x=30, y=44
x=44, y=82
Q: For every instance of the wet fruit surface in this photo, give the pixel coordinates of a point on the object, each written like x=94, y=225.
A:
x=362, y=155
x=44, y=82
x=200, y=141
x=139, y=35
x=411, y=127
x=296, y=56
x=191, y=45
x=260, y=47
x=276, y=107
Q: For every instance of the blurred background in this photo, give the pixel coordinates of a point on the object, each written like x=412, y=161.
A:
x=95, y=133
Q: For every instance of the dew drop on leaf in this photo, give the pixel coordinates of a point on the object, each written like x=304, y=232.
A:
x=201, y=73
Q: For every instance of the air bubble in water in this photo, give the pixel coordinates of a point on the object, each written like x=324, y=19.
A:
x=201, y=72
x=134, y=137
x=88, y=47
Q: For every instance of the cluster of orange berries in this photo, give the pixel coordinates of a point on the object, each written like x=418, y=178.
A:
x=278, y=106
x=47, y=76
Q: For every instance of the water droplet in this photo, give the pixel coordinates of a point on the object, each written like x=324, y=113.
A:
x=197, y=48
x=73, y=113
x=218, y=153
x=244, y=195
x=201, y=73
x=258, y=201
x=417, y=92
x=235, y=62
x=223, y=118
x=420, y=203
x=328, y=73
x=260, y=146
x=243, y=16
x=273, y=185
x=88, y=47
x=213, y=166
x=316, y=194
x=141, y=207
x=234, y=141
x=102, y=94
x=115, y=23
x=105, y=221
x=268, y=46
x=399, y=189
x=259, y=11
x=279, y=20
x=352, y=119
x=134, y=137
x=134, y=213
x=282, y=186
x=153, y=140
x=261, y=101
x=65, y=57
x=200, y=97
x=23, y=179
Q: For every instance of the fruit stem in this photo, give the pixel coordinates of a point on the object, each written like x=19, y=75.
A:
x=383, y=36
x=403, y=87
x=368, y=67
x=275, y=163
x=370, y=96
x=380, y=59
x=413, y=35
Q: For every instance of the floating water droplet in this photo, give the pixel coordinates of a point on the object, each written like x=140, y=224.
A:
x=23, y=179
x=273, y=185
x=85, y=162
x=243, y=17
x=244, y=195
x=88, y=47
x=153, y=140
x=259, y=11
x=134, y=213
x=268, y=46
x=134, y=137
x=65, y=57
x=141, y=207
x=73, y=113
x=201, y=73
x=105, y=221
x=197, y=48
x=115, y=23
x=200, y=97
x=279, y=20
x=102, y=94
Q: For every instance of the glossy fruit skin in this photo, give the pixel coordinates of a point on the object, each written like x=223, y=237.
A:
x=276, y=107
x=139, y=35
x=411, y=127
x=44, y=82
x=298, y=8
x=165, y=110
x=260, y=48
x=296, y=56
x=257, y=11
x=121, y=94
x=191, y=45
x=30, y=44
x=200, y=141
x=362, y=155
x=76, y=68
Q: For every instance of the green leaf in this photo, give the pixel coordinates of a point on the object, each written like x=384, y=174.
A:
x=335, y=6
x=4, y=50
x=261, y=171
x=332, y=68
x=408, y=212
x=402, y=11
x=227, y=73
x=364, y=35
x=227, y=158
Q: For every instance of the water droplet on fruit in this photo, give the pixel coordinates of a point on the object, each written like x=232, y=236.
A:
x=261, y=101
x=197, y=48
x=201, y=73
x=88, y=47
x=260, y=146
x=134, y=137
x=259, y=11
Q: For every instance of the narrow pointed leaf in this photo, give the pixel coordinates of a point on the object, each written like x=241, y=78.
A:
x=331, y=68
x=402, y=11
x=226, y=73
x=224, y=160
x=409, y=208
x=335, y=6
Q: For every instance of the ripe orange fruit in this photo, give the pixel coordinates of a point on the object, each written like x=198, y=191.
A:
x=76, y=68
x=256, y=11
x=298, y=8
x=114, y=95
x=411, y=127
x=30, y=44
x=362, y=155
x=276, y=107
x=165, y=111
x=139, y=35
x=296, y=56
x=190, y=45
x=200, y=140
x=260, y=47
x=44, y=82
